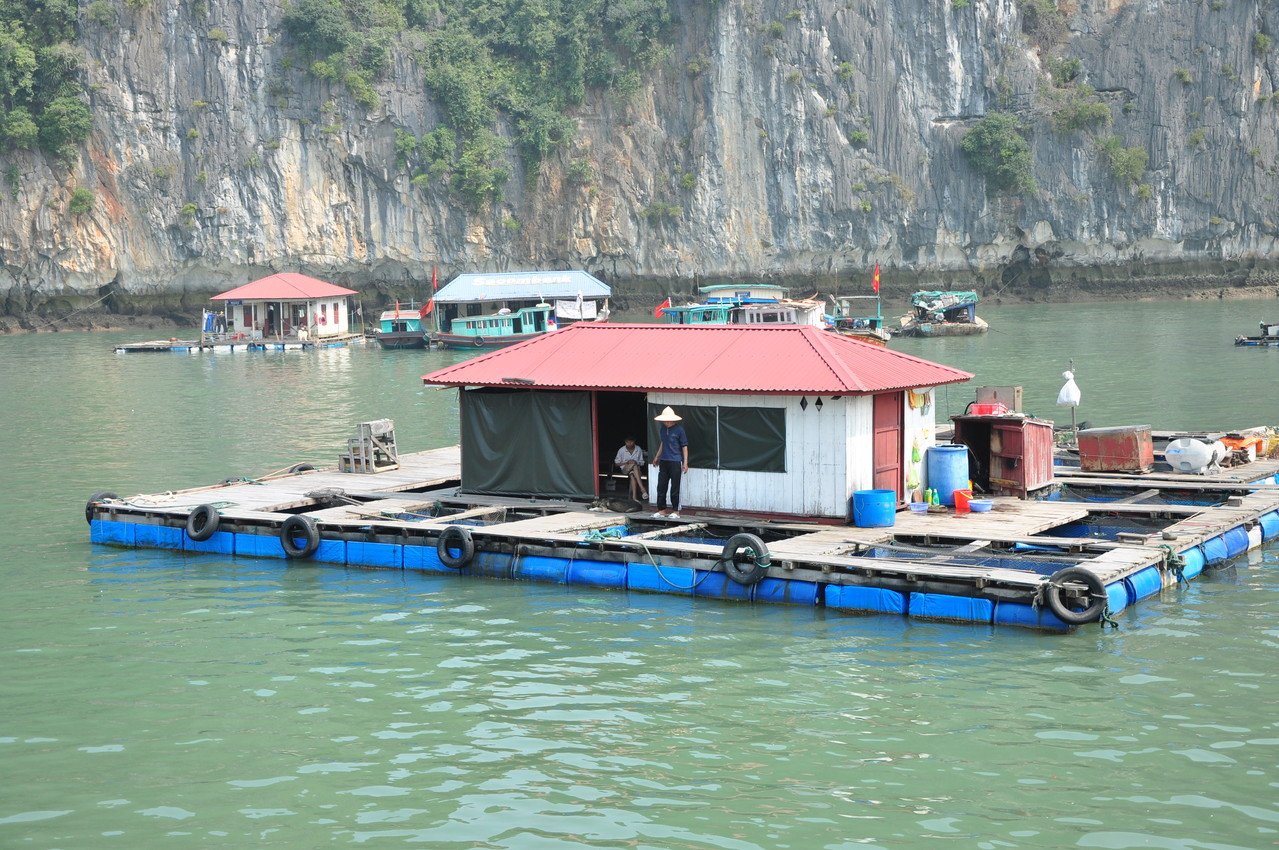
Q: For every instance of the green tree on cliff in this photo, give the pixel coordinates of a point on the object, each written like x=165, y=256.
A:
x=997, y=149
x=489, y=64
x=40, y=93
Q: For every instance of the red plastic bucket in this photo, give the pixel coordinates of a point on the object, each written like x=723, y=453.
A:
x=961, y=500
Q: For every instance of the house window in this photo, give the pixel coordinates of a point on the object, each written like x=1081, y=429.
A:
x=742, y=439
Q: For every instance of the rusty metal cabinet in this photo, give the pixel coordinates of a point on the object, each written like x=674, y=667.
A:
x=1011, y=455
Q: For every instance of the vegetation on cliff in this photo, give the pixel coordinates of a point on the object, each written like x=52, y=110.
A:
x=40, y=92
x=521, y=63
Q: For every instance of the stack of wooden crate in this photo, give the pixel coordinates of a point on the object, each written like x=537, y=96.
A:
x=372, y=449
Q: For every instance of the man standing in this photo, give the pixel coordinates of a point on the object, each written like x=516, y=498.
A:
x=671, y=461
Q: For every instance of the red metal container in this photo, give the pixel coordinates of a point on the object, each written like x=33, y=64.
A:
x=995, y=409
x=1013, y=453
x=1126, y=448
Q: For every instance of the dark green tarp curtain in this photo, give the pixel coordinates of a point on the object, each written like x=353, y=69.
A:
x=532, y=443
x=752, y=439
x=747, y=439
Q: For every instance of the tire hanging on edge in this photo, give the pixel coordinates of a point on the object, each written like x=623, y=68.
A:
x=93, y=500
x=1096, y=595
x=754, y=570
x=459, y=536
x=299, y=526
x=202, y=522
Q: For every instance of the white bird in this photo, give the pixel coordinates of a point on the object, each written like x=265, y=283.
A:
x=1069, y=395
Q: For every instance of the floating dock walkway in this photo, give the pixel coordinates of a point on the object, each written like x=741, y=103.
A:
x=232, y=343
x=1050, y=564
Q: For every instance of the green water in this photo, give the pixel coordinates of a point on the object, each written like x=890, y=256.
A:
x=151, y=700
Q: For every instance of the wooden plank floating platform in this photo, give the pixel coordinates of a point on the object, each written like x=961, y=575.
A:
x=231, y=344
x=994, y=567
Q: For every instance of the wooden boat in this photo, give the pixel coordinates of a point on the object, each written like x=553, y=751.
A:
x=941, y=313
x=497, y=310
x=401, y=327
x=850, y=319
x=500, y=329
x=756, y=304
x=1269, y=336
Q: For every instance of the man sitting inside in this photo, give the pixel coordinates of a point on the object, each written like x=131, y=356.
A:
x=630, y=460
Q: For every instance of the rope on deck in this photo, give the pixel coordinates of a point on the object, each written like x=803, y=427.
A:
x=599, y=534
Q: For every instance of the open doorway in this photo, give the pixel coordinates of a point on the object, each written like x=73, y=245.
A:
x=619, y=415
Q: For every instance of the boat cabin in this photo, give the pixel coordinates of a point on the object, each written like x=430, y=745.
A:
x=287, y=305
x=944, y=306
x=493, y=310
x=788, y=420
x=758, y=304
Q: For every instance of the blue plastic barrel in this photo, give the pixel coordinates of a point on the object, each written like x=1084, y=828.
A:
x=874, y=508
x=947, y=471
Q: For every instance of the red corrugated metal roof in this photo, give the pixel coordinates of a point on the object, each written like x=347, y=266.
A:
x=788, y=359
x=285, y=286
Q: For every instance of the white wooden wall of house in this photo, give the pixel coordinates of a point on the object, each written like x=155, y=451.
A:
x=828, y=455
x=816, y=460
x=920, y=425
x=336, y=315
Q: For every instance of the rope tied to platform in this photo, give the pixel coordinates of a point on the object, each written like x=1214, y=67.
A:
x=1175, y=561
x=597, y=535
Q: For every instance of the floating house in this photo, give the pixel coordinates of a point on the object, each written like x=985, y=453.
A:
x=784, y=424
x=281, y=312
x=788, y=420
x=497, y=310
x=288, y=307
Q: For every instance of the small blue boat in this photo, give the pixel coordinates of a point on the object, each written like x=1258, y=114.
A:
x=401, y=327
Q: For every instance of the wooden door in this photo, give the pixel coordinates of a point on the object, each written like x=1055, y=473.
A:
x=887, y=457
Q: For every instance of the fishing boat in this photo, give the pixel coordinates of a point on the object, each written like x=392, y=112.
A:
x=401, y=326
x=1269, y=336
x=497, y=310
x=941, y=313
x=756, y=304
x=851, y=319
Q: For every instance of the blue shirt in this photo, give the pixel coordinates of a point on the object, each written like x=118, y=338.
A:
x=673, y=440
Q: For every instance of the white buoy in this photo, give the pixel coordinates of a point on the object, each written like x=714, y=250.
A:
x=1192, y=456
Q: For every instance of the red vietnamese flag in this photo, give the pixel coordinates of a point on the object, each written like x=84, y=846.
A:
x=657, y=314
x=874, y=283
x=430, y=303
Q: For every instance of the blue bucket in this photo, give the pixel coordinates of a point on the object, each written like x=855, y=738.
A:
x=874, y=508
x=947, y=471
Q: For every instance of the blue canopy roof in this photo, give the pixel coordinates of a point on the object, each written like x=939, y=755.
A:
x=519, y=286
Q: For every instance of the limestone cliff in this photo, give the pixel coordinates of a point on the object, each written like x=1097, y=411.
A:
x=801, y=140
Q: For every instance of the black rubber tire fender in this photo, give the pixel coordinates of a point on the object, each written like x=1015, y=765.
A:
x=202, y=522
x=455, y=536
x=93, y=500
x=299, y=526
x=301, y=467
x=479, y=342
x=1096, y=595
x=751, y=571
